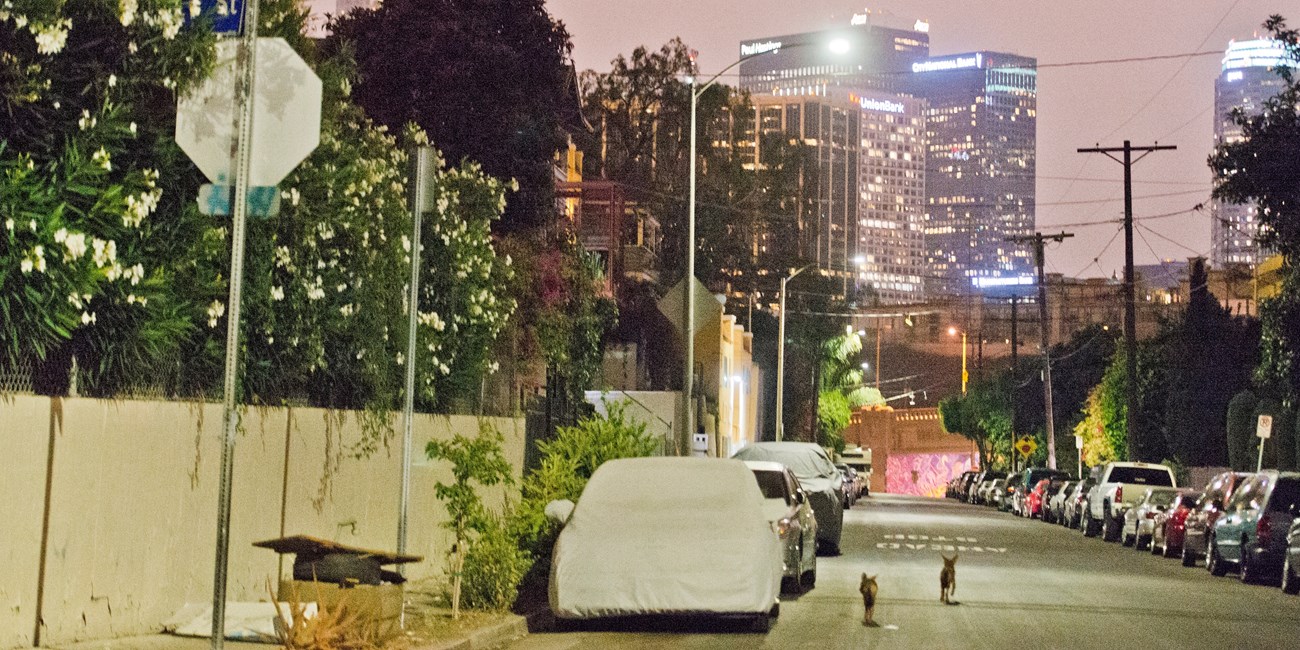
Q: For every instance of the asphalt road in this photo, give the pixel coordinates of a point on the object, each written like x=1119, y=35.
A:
x=1020, y=584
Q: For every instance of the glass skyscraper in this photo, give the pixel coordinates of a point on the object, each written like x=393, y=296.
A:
x=1246, y=79
x=980, y=165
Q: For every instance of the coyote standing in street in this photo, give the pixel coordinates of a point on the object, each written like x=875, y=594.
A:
x=868, y=589
x=948, y=579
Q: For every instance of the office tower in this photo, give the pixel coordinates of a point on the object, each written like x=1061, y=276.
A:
x=979, y=175
x=1247, y=78
x=872, y=58
x=822, y=220
x=891, y=255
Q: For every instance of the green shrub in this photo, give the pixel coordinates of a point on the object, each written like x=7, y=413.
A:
x=494, y=566
x=567, y=463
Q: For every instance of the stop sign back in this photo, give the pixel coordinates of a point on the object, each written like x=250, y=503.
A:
x=286, y=115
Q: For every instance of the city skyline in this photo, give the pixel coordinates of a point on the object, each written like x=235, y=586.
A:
x=1084, y=99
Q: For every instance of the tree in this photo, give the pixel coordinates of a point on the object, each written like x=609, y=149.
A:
x=87, y=167
x=1208, y=360
x=1259, y=169
x=1241, y=431
x=488, y=80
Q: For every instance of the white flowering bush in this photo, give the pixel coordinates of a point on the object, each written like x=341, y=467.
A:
x=90, y=85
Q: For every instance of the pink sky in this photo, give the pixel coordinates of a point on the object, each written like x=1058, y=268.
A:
x=1078, y=106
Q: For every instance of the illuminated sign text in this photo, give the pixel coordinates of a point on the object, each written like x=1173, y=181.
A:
x=954, y=63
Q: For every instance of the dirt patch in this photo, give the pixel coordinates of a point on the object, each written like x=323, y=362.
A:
x=429, y=620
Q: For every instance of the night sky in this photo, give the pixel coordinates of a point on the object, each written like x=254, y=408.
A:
x=1169, y=100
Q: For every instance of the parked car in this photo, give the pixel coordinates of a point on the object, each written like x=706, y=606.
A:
x=981, y=493
x=1248, y=535
x=1035, y=498
x=1201, y=521
x=714, y=552
x=1077, y=503
x=849, y=483
x=819, y=480
x=1120, y=485
x=997, y=494
x=1291, y=563
x=1139, y=519
x=977, y=487
x=1008, y=502
x=1167, y=531
x=787, y=510
x=1054, y=512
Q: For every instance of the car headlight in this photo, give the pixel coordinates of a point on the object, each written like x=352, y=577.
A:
x=784, y=526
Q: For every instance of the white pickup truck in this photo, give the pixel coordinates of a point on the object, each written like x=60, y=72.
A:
x=1120, y=486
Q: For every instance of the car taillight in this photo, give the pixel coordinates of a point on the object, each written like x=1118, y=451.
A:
x=1151, y=514
x=783, y=527
x=1119, y=493
x=1264, y=530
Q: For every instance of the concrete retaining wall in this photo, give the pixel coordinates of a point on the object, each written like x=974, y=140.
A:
x=130, y=491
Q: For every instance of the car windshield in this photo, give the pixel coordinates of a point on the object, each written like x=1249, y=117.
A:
x=1140, y=475
x=1286, y=495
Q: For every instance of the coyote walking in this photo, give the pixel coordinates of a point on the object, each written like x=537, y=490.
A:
x=868, y=589
x=948, y=579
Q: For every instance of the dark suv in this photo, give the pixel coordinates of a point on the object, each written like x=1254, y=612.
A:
x=1201, y=520
x=1251, y=533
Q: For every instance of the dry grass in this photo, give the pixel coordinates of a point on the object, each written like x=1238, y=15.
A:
x=333, y=628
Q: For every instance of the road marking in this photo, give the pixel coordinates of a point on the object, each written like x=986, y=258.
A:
x=903, y=546
x=927, y=538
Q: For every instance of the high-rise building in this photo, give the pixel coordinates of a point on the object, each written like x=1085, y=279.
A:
x=1247, y=78
x=981, y=120
x=824, y=211
x=891, y=256
x=871, y=58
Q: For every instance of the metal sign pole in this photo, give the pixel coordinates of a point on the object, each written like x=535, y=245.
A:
x=421, y=162
x=242, y=154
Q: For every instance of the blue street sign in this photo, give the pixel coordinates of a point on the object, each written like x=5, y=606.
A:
x=227, y=15
x=263, y=201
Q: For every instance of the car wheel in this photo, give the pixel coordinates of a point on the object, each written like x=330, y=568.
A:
x=1248, y=571
x=1290, y=582
x=1110, y=527
x=1159, y=550
x=1189, y=558
x=809, y=578
x=1090, y=526
x=1142, y=543
x=1213, y=563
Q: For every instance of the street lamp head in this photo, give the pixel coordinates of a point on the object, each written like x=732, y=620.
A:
x=865, y=365
x=952, y=331
x=860, y=260
x=840, y=46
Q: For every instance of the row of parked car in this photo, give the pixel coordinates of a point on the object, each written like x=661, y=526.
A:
x=729, y=535
x=1247, y=522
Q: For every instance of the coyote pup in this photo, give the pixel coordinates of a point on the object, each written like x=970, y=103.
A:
x=948, y=579
x=868, y=589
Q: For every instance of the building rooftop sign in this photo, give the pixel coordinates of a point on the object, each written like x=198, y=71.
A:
x=1258, y=53
x=884, y=105
x=960, y=62
x=750, y=49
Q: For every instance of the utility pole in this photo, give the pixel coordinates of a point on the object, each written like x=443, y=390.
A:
x=1037, y=239
x=1015, y=340
x=1130, y=309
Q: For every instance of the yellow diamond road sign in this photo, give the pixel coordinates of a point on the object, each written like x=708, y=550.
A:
x=1026, y=446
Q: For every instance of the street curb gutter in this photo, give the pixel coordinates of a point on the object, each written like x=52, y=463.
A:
x=489, y=636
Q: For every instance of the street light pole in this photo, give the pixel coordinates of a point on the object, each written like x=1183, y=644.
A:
x=780, y=357
x=838, y=46
x=964, y=375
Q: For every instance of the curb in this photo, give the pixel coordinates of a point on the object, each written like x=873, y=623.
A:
x=484, y=638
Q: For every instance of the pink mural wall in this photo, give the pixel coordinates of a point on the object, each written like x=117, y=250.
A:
x=924, y=474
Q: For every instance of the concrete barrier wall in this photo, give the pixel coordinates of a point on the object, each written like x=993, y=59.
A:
x=133, y=505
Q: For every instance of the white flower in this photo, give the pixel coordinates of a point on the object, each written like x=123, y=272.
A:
x=126, y=11
x=9, y=224
x=112, y=80
x=60, y=235
x=102, y=157
x=87, y=318
x=277, y=293
x=26, y=265
x=50, y=39
x=215, y=311
x=133, y=128
x=76, y=245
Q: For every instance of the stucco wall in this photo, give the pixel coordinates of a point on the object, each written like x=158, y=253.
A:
x=133, y=505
